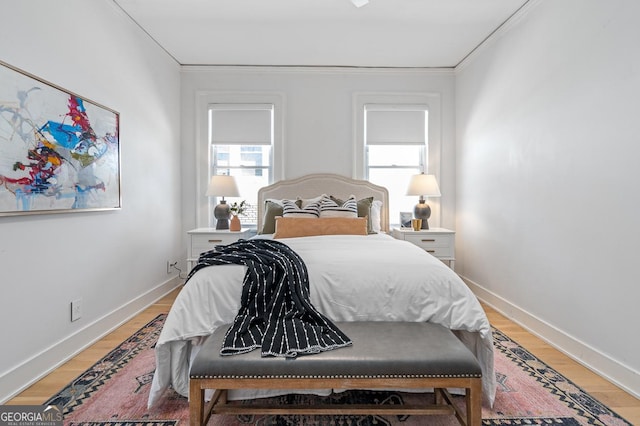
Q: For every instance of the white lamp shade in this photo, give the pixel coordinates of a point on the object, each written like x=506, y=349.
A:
x=222, y=186
x=424, y=186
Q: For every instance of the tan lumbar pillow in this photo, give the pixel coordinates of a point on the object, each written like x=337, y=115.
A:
x=291, y=227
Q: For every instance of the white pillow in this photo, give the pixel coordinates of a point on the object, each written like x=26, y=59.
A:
x=376, y=217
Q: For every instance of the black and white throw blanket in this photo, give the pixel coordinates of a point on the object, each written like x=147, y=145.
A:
x=275, y=312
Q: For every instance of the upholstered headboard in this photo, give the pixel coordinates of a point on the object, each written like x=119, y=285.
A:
x=310, y=186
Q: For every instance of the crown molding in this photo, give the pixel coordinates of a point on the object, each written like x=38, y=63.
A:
x=496, y=35
x=261, y=69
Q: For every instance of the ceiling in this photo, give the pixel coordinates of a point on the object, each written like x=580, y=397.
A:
x=382, y=33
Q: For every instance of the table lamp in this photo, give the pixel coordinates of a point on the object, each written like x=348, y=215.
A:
x=423, y=186
x=222, y=186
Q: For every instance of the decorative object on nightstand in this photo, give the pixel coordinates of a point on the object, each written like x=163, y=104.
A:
x=205, y=239
x=236, y=210
x=423, y=186
x=222, y=186
x=405, y=219
x=439, y=242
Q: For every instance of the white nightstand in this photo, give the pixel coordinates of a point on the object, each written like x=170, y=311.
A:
x=439, y=242
x=205, y=239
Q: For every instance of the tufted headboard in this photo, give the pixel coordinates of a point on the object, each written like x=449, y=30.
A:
x=312, y=185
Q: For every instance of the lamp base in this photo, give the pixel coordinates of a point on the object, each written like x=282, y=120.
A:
x=222, y=214
x=422, y=211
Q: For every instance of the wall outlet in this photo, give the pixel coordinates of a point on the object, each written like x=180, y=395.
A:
x=170, y=266
x=76, y=310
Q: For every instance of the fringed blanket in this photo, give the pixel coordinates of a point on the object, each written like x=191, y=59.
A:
x=275, y=312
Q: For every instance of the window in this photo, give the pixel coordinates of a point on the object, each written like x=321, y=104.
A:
x=395, y=148
x=241, y=143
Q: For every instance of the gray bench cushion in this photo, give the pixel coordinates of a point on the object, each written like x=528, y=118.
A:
x=380, y=349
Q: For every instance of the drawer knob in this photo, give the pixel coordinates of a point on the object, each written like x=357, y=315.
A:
x=430, y=251
x=215, y=241
x=428, y=241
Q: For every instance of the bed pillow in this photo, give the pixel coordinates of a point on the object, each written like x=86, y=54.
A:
x=364, y=210
x=291, y=209
x=272, y=208
x=291, y=227
x=329, y=207
x=376, y=216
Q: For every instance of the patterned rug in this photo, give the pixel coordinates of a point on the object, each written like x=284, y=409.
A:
x=114, y=392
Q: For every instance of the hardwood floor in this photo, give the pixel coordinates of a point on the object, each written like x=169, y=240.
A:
x=621, y=402
x=615, y=398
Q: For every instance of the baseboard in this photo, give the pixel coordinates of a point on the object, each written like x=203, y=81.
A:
x=610, y=369
x=35, y=368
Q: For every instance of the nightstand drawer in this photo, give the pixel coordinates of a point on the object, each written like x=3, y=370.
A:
x=439, y=242
x=204, y=242
x=429, y=241
x=439, y=252
x=205, y=239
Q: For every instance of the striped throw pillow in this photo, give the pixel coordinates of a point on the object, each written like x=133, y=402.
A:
x=291, y=209
x=329, y=208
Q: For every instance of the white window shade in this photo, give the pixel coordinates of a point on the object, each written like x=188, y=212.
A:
x=241, y=124
x=404, y=124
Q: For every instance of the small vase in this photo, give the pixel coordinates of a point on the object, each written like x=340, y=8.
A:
x=235, y=224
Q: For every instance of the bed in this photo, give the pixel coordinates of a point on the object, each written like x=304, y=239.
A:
x=370, y=277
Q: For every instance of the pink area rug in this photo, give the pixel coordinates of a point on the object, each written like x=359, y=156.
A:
x=114, y=392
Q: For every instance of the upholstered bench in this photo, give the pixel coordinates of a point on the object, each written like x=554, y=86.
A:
x=391, y=355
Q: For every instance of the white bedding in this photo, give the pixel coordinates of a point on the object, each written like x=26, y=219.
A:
x=352, y=278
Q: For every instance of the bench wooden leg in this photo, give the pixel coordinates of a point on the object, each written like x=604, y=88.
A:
x=196, y=403
x=199, y=410
x=474, y=403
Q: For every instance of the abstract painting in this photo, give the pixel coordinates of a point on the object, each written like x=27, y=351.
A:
x=59, y=152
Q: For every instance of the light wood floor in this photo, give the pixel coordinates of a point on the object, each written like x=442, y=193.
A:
x=621, y=402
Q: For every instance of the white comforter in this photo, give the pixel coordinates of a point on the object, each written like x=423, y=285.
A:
x=352, y=278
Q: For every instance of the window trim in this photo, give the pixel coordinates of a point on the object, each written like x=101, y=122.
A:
x=423, y=144
x=204, y=99
x=434, y=142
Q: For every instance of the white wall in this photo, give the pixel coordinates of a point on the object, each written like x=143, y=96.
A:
x=115, y=260
x=318, y=120
x=548, y=206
